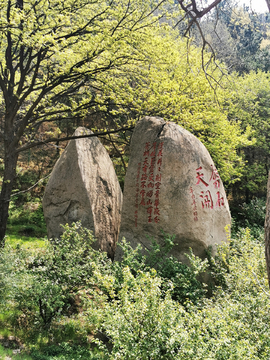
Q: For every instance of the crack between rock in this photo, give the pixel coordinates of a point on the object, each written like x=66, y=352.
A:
x=160, y=131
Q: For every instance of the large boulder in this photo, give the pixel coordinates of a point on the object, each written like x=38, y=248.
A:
x=83, y=187
x=172, y=186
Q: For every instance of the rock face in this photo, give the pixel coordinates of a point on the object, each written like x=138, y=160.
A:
x=83, y=186
x=172, y=185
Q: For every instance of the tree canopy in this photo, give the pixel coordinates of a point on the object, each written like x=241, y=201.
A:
x=239, y=38
x=119, y=59
x=249, y=105
x=52, y=58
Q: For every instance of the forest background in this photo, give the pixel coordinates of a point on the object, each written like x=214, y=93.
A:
x=105, y=65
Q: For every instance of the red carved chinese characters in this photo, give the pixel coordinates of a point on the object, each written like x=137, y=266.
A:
x=209, y=198
x=146, y=149
x=137, y=193
x=158, y=182
x=148, y=182
x=215, y=177
x=200, y=176
x=220, y=200
x=194, y=206
x=207, y=201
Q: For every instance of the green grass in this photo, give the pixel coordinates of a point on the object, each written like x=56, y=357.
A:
x=53, y=352
x=26, y=219
x=7, y=353
x=26, y=229
x=25, y=241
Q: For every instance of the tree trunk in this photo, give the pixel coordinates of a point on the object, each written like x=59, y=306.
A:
x=268, y=4
x=267, y=231
x=10, y=163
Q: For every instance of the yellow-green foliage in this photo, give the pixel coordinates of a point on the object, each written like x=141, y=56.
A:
x=249, y=105
x=115, y=58
x=142, y=322
x=173, y=85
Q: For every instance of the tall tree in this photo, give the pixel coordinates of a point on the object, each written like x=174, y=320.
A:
x=53, y=57
x=246, y=32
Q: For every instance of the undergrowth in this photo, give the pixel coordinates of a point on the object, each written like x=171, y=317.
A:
x=26, y=220
x=67, y=300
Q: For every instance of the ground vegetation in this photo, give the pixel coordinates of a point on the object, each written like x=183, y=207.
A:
x=136, y=309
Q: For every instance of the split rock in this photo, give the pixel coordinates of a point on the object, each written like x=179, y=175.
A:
x=172, y=185
x=83, y=187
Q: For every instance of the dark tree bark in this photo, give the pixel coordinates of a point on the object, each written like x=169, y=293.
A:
x=268, y=4
x=10, y=162
x=20, y=4
x=193, y=9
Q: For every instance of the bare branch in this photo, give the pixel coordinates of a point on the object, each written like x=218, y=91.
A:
x=192, y=7
x=100, y=133
x=32, y=187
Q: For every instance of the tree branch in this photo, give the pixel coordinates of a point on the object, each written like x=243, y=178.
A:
x=193, y=7
x=100, y=133
x=32, y=187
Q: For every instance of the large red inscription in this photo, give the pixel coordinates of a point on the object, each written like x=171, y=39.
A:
x=148, y=182
x=211, y=196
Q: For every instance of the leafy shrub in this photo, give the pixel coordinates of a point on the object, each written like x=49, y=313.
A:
x=142, y=321
x=186, y=286
x=52, y=277
x=254, y=212
x=132, y=309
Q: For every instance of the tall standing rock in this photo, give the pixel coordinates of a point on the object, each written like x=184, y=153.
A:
x=83, y=187
x=172, y=185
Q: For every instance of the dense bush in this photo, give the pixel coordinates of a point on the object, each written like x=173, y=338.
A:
x=253, y=213
x=43, y=284
x=184, y=279
x=142, y=322
x=130, y=310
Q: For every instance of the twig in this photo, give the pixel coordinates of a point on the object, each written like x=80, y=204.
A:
x=23, y=191
x=37, y=143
